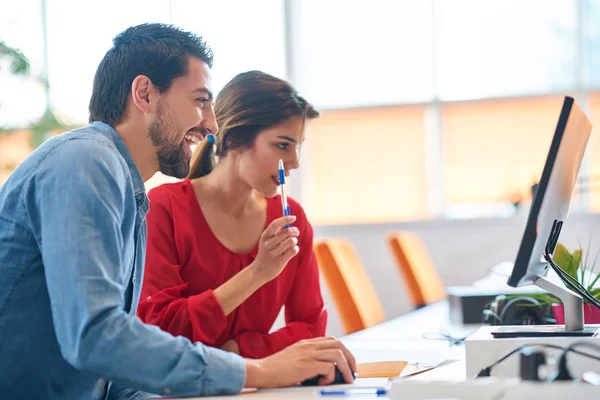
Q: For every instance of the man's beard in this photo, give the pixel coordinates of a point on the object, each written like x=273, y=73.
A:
x=171, y=156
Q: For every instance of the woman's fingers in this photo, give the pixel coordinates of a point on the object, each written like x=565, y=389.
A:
x=284, y=246
x=277, y=225
x=272, y=242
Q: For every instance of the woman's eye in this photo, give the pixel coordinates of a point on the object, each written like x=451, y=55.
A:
x=283, y=146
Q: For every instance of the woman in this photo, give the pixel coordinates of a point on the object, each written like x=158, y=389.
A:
x=220, y=261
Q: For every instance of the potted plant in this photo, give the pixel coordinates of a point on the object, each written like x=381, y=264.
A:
x=578, y=267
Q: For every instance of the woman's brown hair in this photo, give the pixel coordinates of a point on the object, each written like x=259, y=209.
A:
x=251, y=102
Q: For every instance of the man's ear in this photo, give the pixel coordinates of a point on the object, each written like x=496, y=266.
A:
x=141, y=91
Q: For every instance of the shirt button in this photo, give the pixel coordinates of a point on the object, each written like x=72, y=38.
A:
x=138, y=196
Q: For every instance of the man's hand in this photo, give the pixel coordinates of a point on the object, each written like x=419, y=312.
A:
x=301, y=361
x=231, y=346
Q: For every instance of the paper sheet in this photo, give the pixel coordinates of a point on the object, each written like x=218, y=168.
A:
x=424, y=353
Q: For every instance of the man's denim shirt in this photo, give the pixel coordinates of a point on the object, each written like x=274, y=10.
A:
x=72, y=250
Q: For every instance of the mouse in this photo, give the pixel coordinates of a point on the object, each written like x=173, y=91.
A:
x=339, y=379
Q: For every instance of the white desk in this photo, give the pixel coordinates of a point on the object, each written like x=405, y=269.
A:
x=401, y=338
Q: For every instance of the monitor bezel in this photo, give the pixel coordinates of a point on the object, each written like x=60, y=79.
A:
x=523, y=273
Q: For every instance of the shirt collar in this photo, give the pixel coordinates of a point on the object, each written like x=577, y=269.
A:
x=137, y=181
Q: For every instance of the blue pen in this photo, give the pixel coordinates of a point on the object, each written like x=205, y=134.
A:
x=353, y=391
x=285, y=207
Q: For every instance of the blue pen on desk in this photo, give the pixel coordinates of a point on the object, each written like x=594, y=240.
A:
x=285, y=207
x=353, y=391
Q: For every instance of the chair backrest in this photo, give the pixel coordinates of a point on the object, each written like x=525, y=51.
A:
x=414, y=264
x=353, y=294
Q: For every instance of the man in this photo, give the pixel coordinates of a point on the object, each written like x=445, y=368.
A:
x=73, y=238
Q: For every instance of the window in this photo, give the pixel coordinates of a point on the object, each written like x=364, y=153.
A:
x=493, y=151
x=239, y=43
x=592, y=41
x=79, y=34
x=505, y=47
x=365, y=166
x=351, y=53
x=593, y=172
x=244, y=35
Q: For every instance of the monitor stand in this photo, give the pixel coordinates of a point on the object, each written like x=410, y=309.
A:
x=573, y=317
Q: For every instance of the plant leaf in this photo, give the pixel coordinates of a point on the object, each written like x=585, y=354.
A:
x=583, y=267
x=543, y=298
x=19, y=64
x=590, y=287
x=567, y=261
x=593, y=268
x=562, y=256
x=576, y=265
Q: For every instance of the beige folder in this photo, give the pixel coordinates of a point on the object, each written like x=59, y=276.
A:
x=382, y=369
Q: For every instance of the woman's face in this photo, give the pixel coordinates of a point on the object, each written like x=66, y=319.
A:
x=259, y=165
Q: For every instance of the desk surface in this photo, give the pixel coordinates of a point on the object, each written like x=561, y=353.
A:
x=414, y=337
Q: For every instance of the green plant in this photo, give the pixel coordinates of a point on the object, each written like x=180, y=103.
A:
x=578, y=266
x=19, y=64
x=48, y=122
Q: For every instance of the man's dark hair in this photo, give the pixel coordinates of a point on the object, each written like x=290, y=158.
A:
x=158, y=51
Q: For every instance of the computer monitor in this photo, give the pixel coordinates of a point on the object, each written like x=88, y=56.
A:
x=548, y=210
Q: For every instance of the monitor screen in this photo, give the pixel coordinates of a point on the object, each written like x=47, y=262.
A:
x=553, y=195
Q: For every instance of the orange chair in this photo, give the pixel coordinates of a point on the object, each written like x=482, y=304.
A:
x=417, y=269
x=354, y=296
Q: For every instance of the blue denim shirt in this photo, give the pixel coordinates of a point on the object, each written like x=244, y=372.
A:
x=72, y=249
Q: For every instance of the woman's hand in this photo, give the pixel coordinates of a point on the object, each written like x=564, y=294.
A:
x=276, y=247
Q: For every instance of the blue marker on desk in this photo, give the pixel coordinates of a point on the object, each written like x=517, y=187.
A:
x=353, y=391
x=285, y=207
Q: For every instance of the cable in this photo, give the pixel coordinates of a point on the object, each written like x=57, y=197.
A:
x=444, y=335
x=567, y=279
x=561, y=272
x=563, y=373
x=493, y=314
x=589, y=344
x=487, y=370
x=572, y=284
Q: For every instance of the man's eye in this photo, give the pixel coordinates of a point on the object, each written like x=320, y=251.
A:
x=202, y=101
